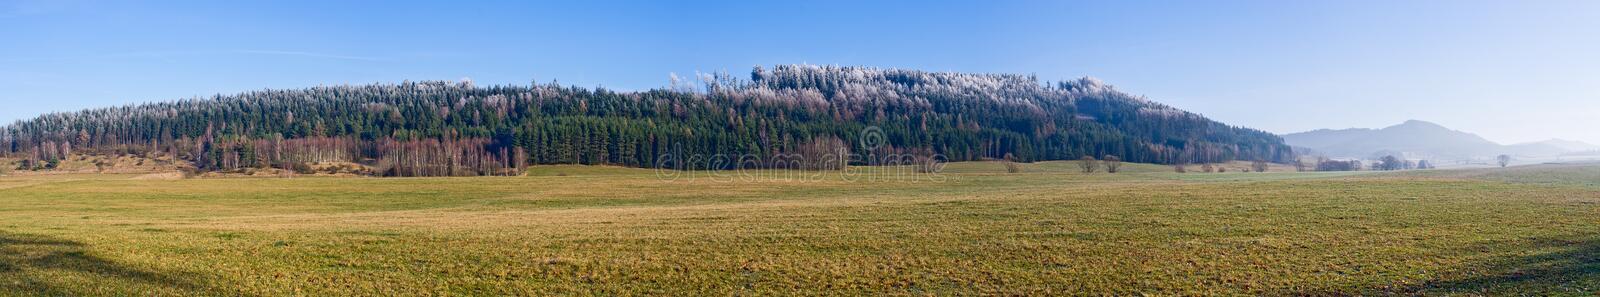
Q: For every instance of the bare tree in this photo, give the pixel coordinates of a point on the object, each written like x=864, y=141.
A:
x=824, y=153
x=929, y=164
x=1089, y=164
x=1259, y=165
x=1113, y=163
x=1505, y=160
x=1011, y=164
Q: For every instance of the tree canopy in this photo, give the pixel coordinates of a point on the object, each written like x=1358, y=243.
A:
x=457, y=128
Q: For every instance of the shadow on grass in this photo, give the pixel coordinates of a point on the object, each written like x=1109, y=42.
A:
x=1548, y=267
x=34, y=264
x=1551, y=267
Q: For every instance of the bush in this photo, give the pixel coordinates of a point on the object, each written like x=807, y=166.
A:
x=1330, y=165
x=1011, y=164
x=1113, y=163
x=302, y=168
x=1088, y=164
x=189, y=172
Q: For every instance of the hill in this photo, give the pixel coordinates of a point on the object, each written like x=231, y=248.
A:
x=1553, y=147
x=1569, y=145
x=777, y=116
x=1420, y=139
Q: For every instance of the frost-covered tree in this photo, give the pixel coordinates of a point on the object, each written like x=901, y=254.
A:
x=775, y=111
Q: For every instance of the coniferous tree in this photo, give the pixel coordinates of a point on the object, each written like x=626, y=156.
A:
x=445, y=128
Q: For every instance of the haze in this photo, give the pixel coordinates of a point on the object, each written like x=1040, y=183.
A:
x=1509, y=71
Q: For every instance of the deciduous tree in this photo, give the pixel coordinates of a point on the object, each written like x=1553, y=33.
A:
x=1113, y=163
x=1088, y=164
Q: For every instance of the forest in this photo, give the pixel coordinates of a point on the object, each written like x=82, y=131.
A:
x=437, y=128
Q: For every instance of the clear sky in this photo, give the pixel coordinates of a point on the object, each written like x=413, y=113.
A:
x=1511, y=71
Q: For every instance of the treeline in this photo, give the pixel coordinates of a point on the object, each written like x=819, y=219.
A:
x=448, y=128
x=1385, y=163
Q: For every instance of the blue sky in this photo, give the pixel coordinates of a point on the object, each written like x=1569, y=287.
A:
x=1511, y=71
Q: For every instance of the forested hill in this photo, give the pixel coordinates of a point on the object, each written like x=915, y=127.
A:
x=450, y=128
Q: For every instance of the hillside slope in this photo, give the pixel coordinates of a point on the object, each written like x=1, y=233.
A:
x=442, y=128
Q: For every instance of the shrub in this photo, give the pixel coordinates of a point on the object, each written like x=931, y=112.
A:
x=189, y=172
x=1011, y=164
x=1088, y=164
x=302, y=168
x=102, y=164
x=1331, y=165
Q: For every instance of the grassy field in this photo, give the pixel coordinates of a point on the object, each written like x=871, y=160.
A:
x=566, y=230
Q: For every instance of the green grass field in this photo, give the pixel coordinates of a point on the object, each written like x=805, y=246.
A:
x=566, y=230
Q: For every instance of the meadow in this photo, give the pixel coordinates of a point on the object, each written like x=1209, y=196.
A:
x=974, y=229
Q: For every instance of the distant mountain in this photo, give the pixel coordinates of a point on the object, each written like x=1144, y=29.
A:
x=1536, y=149
x=1565, y=145
x=1423, y=140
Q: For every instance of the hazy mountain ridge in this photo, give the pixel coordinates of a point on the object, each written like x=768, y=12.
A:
x=1563, y=144
x=1421, y=139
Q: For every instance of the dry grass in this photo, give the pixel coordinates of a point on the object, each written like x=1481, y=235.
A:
x=104, y=164
x=573, y=230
